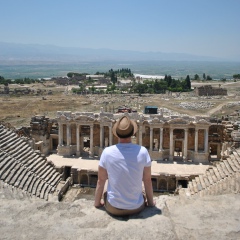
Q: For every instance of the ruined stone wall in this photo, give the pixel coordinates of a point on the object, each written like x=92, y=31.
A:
x=166, y=138
x=73, y=134
x=201, y=140
x=191, y=138
x=96, y=134
x=64, y=133
x=145, y=137
x=208, y=90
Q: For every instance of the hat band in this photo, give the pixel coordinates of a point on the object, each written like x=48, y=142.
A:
x=125, y=136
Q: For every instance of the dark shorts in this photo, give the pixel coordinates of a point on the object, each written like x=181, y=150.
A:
x=121, y=212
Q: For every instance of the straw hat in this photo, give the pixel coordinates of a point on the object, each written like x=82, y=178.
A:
x=124, y=127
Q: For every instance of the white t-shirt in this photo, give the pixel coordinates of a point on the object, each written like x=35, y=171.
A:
x=124, y=163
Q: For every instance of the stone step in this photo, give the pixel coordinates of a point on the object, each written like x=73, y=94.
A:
x=47, y=192
x=209, y=177
x=228, y=167
x=25, y=179
x=5, y=168
x=235, y=162
x=224, y=169
x=51, y=173
x=35, y=164
x=202, y=181
x=39, y=188
x=35, y=186
x=46, y=172
x=217, y=173
x=20, y=147
x=15, y=178
x=4, y=162
x=7, y=135
x=19, y=155
x=207, y=183
x=190, y=187
x=195, y=188
x=2, y=154
x=199, y=186
x=232, y=165
x=236, y=155
x=43, y=191
x=25, y=158
x=12, y=170
x=21, y=177
x=14, y=173
x=219, y=168
x=29, y=180
x=28, y=161
x=12, y=142
x=33, y=182
x=55, y=180
x=214, y=178
x=7, y=143
x=39, y=169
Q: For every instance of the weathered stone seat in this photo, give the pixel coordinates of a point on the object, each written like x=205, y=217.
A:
x=221, y=173
x=228, y=167
x=23, y=168
x=7, y=143
x=209, y=177
x=232, y=165
x=10, y=172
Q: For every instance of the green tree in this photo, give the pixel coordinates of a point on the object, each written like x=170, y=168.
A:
x=188, y=82
x=236, y=76
x=204, y=76
x=196, y=77
x=209, y=78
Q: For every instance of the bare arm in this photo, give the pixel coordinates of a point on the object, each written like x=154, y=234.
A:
x=148, y=186
x=102, y=177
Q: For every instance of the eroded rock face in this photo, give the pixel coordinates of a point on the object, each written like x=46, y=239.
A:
x=211, y=217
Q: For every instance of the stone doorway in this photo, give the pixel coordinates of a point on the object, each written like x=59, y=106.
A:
x=86, y=146
x=183, y=183
x=67, y=172
x=178, y=149
x=54, y=144
x=214, y=151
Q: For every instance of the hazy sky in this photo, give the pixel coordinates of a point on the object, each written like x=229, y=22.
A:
x=202, y=27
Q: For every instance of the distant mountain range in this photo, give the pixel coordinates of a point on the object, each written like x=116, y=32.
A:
x=37, y=52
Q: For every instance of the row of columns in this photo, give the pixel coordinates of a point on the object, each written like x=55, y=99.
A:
x=78, y=129
x=110, y=136
x=171, y=148
x=140, y=132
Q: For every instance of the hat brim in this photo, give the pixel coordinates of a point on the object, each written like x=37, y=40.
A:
x=114, y=129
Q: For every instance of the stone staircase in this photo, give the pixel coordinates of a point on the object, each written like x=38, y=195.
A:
x=24, y=170
x=222, y=178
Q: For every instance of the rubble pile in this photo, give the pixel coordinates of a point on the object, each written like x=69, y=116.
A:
x=196, y=105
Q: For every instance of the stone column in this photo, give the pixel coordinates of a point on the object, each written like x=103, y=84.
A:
x=91, y=141
x=78, y=142
x=218, y=151
x=101, y=136
x=60, y=134
x=185, y=144
x=171, y=145
x=151, y=139
x=196, y=140
x=161, y=140
x=140, y=134
x=68, y=134
x=110, y=136
x=206, y=141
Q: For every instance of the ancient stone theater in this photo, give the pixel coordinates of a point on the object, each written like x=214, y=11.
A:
x=166, y=138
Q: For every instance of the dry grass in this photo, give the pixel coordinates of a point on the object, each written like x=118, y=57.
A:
x=18, y=110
